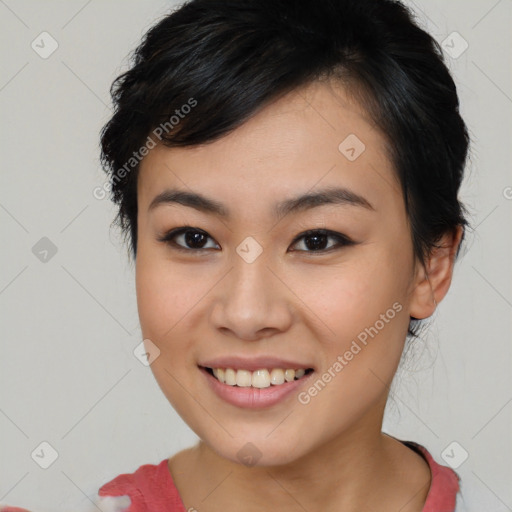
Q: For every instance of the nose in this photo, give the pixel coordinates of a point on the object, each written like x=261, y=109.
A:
x=252, y=302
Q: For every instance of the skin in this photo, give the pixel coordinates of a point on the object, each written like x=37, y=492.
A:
x=290, y=302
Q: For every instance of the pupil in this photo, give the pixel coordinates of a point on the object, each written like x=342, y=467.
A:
x=317, y=241
x=193, y=237
x=316, y=244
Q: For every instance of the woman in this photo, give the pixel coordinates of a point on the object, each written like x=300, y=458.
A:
x=287, y=175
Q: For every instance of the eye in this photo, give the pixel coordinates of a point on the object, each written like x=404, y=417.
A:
x=193, y=238
x=315, y=240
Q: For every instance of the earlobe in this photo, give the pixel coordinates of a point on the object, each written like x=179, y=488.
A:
x=433, y=282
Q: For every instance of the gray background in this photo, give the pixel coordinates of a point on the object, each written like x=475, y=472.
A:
x=68, y=374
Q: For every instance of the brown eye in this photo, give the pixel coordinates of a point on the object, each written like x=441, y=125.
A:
x=187, y=239
x=316, y=240
x=192, y=239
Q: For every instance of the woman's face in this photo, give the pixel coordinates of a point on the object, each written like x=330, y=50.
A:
x=244, y=283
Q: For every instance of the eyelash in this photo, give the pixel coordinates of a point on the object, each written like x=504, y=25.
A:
x=342, y=240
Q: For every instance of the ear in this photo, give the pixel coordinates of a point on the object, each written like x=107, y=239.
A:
x=432, y=283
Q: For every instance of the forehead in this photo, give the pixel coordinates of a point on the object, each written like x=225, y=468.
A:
x=314, y=137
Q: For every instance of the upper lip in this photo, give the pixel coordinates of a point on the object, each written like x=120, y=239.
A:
x=253, y=363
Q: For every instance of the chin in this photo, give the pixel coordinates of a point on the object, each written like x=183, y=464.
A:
x=258, y=449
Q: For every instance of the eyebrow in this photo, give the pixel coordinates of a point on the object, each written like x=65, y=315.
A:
x=327, y=196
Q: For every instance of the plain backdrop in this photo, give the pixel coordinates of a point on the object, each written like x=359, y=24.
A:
x=68, y=374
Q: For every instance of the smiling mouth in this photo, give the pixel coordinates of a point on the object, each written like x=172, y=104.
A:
x=262, y=378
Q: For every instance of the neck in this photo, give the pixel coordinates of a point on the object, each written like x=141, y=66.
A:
x=358, y=470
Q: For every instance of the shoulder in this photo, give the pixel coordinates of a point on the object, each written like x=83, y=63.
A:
x=149, y=488
x=444, y=487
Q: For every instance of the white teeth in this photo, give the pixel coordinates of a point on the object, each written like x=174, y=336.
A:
x=276, y=377
x=262, y=378
x=219, y=373
x=289, y=375
x=299, y=373
x=243, y=378
x=230, y=377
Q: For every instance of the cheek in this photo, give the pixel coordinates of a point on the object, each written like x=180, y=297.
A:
x=363, y=308
x=164, y=297
x=364, y=319
x=353, y=295
x=163, y=301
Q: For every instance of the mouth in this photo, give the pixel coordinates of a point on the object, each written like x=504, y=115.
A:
x=261, y=378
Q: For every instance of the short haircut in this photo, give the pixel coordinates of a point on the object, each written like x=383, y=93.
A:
x=227, y=59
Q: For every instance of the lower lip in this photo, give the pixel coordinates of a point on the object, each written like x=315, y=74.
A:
x=254, y=398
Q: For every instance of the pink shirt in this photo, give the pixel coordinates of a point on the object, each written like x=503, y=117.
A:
x=151, y=487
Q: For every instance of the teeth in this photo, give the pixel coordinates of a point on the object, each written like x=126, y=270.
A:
x=243, y=378
x=299, y=373
x=230, y=377
x=276, y=377
x=219, y=373
x=259, y=379
x=289, y=375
